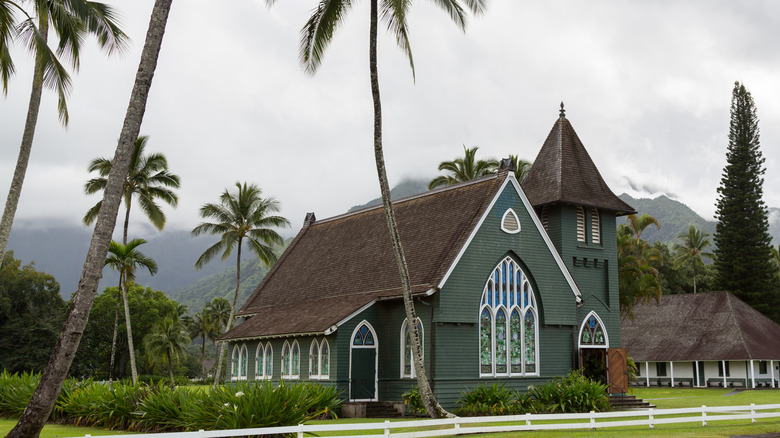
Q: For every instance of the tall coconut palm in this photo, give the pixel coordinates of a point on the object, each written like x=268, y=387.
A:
x=45, y=395
x=316, y=35
x=72, y=21
x=692, y=250
x=148, y=180
x=244, y=215
x=464, y=169
x=203, y=328
x=637, y=277
x=125, y=259
x=166, y=342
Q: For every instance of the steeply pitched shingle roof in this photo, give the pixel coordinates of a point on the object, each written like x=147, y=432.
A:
x=703, y=326
x=335, y=266
x=564, y=172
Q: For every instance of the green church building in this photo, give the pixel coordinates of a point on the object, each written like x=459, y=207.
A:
x=512, y=283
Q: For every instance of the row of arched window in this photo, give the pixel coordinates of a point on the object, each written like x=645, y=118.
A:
x=319, y=361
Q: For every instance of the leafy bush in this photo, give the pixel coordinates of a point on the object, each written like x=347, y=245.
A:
x=16, y=391
x=569, y=394
x=573, y=393
x=495, y=399
x=159, y=408
x=413, y=404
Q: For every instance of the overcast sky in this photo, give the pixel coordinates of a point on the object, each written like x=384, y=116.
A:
x=647, y=86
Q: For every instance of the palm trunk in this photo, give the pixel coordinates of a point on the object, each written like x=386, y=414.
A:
x=127, y=220
x=170, y=368
x=15, y=191
x=432, y=406
x=223, y=344
x=118, y=300
x=203, y=357
x=130, y=347
x=116, y=331
x=38, y=410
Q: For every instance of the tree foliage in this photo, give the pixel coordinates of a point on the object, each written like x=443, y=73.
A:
x=464, y=169
x=166, y=343
x=637, y=272
x=31, y=316
x=742, y=263
x=691, y=251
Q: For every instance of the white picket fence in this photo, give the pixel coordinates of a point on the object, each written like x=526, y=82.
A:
x=509, y=423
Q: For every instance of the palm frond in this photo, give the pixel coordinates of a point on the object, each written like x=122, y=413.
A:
x=92, y=214
x=101, y=20
x=318, y=32
x=455, y=10
x=7, y=34
x=393, y=13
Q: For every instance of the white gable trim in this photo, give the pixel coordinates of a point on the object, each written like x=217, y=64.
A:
x=538, y=224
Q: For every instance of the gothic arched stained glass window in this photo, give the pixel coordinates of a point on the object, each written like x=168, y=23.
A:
x=592, y=333
x=508, y=324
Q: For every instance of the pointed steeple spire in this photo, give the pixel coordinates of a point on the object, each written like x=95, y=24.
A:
x=564, y=172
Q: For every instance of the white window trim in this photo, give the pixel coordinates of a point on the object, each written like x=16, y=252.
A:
x=523, y=309
x=243, y=358
x=581, y=235
x=595, y=226
x=508, y=212
x=260, y=361
x=235, y=363
x=293, y=374
x=413, y=373
x=287, y=348
x=603, y=328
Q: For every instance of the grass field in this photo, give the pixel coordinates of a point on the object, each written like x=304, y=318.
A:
x=663, y=398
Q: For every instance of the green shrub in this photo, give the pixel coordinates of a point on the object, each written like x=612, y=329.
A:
x=16, y=391
x=413, y=404
x=570, y=394
x=101, y=405
x=495, y=399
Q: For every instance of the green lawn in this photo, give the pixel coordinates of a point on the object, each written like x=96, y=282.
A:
x=663, y=398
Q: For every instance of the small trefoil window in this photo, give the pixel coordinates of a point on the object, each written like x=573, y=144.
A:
x=510, y=223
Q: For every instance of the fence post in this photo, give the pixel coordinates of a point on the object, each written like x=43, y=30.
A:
x=387, y=427
x=457, y=423
x=593, y=420
x=753, y=412
x=200, y=432
x=650, y=418
x=300, y=431
x=703, y=415
x=527, y=418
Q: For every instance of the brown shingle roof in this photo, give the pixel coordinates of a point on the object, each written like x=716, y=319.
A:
x=703, y=326
x=335, y=266
x=564, y=172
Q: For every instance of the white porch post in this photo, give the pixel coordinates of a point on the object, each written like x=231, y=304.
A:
x=671, y=372
x=752, y=374
x=647, y=373
x=772, y=371
x=723, y=364
x=696, y=373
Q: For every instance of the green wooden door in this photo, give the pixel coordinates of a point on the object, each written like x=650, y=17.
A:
x=363, y=374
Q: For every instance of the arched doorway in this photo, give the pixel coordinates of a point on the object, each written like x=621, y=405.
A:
x=593, y=344
x=363, y=354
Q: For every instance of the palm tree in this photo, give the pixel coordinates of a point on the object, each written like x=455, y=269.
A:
x=166, y=342
x=240, y=216
x=316, y=35
x=692, y=250
x=45, y=395
x=464, y=169
x=148, y=180
x=637, y=277
x=125, y=259
x=522, y=167
x=775, y=256
x=72, y=21
x=202, y=327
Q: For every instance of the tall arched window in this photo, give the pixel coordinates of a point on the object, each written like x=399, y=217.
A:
x=235, y=361
x=296, y=360
x=269, y=361
x=580, y=224
x=324, y=359
x=314, y=360
x=595, y=226
x=508, y=324
x=244, y=362
x=286, y=360
x=259, y=361
x=407, y=366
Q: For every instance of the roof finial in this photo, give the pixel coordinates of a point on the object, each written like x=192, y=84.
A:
x=563, y=111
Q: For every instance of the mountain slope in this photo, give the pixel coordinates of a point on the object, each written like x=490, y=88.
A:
x=674, y=217
x=407, y=187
